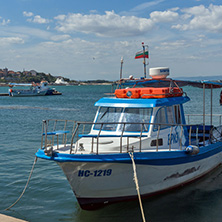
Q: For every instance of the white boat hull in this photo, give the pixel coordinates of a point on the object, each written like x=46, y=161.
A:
x=97, y=184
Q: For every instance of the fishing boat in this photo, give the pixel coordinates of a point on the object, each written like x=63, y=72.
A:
x=28, y=89
x=143, y=122
x=31, y=89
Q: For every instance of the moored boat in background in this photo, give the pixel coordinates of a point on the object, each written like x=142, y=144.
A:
x=31, y=89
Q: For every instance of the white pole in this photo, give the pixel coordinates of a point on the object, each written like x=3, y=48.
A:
x=121, y=68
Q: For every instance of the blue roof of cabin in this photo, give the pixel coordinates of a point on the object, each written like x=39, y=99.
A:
x=141, y=103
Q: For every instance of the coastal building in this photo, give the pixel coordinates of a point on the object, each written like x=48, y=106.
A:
x=5, y=71
x=60, y=81
x=10, y=72
x=33, y=72
x=1, y=73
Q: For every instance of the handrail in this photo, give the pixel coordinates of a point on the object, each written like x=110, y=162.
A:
x=171, y=129
x=181, y=136
x=191, y=133
x=157, y=139
x=200, y=115
x=121, y=138
x=73, y=136
x=97, y=142
x=141, y=132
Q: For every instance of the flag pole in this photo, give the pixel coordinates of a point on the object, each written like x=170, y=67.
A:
x=121, y=68
x=144, y=59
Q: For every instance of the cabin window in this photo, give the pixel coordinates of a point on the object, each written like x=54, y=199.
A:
x=135, y=115
x=108, y=115
x=177, y=114
x=161, y=119
x=170, y=117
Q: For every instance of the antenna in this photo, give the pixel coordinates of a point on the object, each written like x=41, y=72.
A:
x=121, y=68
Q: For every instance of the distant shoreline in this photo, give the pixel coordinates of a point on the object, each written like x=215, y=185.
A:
x=81, y=84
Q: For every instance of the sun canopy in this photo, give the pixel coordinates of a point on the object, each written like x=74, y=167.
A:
x=20, y=84
x=141, y=103
x=166, y=82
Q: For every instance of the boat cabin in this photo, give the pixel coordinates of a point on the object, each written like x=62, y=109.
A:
x=141, y=119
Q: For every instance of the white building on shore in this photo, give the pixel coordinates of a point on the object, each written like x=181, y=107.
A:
x=60, y=81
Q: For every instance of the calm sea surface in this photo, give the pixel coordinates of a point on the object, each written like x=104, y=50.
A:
x=49, y=196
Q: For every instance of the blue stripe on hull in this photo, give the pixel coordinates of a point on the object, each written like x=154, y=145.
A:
x=147, y=158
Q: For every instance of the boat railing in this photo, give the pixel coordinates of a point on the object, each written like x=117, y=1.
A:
x=210, y=119
x=59, y=129
x=56, y=128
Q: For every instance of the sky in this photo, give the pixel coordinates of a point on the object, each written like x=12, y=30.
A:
x=85, y=39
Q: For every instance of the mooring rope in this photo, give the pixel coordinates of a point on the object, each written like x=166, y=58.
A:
x=137, y=186
x=35, y=160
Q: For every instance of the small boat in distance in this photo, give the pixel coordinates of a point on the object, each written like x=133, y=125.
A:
x=143, y=122
x=31, y=89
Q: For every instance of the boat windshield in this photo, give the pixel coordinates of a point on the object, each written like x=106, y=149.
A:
x=108, y=115
x=130, y=116
x=136, y=115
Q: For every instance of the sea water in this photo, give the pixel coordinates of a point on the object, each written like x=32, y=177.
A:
x=49, y=196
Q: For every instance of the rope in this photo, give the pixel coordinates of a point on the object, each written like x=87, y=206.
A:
x=25, y=186
x=137, y=186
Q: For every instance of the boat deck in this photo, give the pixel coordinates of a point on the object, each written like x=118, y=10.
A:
x=66, y=150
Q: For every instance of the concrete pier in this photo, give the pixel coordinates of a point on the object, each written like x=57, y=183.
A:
x=5, y=218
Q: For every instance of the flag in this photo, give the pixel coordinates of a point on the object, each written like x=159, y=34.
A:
x=140, y=55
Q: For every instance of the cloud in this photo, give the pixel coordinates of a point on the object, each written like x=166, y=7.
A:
x=60, y=37
x=146, y=5
x=142, y=7
x=38, y=19
x=4, y=22
x=10, y=40
x=26, y=33
x=27, y=14
x=74, y=52
x=178, y=44
x=109, y=25
x=201, y=18
x=165, y=16
x=35, y=19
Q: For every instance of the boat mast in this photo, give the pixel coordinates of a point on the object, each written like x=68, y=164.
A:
x=144, y=57
x=121, y=68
